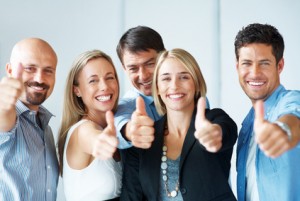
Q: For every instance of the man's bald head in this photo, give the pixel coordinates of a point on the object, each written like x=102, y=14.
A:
x=31, y=45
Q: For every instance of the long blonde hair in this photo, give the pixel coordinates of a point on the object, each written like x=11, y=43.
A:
x=73, y=106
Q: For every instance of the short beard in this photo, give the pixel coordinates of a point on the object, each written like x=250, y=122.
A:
x=36, y=98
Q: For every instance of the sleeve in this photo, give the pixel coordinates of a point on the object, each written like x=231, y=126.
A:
x=125, y=109
x=289, y=104
x=131, y=186
x=229, y=127
x=5, y=137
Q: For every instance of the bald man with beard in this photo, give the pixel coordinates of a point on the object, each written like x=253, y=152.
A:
x=28, y=162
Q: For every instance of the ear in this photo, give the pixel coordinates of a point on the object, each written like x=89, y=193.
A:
x=76, y=91
x=280, y=65
x=8, y=69
x=236, y=64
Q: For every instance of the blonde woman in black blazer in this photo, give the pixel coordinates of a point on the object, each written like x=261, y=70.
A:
x=190, y=157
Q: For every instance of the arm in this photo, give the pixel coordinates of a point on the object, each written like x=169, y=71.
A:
x=10, y=90
x=131, y=186
x=271, y=137
x=215, y=130
x=139, y=129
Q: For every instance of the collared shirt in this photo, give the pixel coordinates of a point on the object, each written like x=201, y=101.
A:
x=126, y=107
x=28, y=161
x=277, y=179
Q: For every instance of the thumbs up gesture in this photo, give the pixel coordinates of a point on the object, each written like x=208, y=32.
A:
x=272, y=140
x=140, y=130
x=208, y=134
x=106, y=143
x=11, y=89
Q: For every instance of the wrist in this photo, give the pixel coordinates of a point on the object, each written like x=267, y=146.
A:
x=285, y=128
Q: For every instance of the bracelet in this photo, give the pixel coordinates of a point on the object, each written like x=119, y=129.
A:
x=285, y=128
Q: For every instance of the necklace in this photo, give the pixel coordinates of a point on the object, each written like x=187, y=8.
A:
x=164, y=168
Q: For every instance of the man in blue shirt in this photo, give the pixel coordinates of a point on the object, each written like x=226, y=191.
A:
x=28, y=162
x=138, y=49
x=268, y=150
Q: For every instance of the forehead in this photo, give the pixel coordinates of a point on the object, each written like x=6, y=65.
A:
x=35, y=55
x=136, y=58
x=98, y=66
x=172, y=65
x=255, y=51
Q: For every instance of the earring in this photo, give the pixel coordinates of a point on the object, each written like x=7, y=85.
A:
x=78, y=96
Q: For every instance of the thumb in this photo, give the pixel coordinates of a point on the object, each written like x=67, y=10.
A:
x=110, y=122
x=140, y=106
x=200, y=116
x=18, y=72
x=259, y=111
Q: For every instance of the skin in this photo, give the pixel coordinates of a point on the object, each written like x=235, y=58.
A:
x=30, y=78
x=140, y=68
x=258, y=75
x=98, y=89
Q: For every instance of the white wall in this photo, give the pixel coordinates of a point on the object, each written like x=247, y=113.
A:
x=206, y=28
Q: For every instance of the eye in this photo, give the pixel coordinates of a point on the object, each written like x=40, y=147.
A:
x=92, y=81
x=150, y=65
x=29, y=69
x=49, y=71
x=184, y=77
x=133, y=70
x=111, y=77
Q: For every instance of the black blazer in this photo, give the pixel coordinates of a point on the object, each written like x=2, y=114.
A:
x=203, y=175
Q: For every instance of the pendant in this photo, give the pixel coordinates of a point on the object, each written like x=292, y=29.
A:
x=173, y=194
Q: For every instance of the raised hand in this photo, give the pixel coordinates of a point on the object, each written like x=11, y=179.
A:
x=106, y=143
x=208, y=134
x=271, y=139
x=11, y=89
x=140, y=130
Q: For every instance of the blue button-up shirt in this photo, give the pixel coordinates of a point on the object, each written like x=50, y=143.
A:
x=28, y=161
x=277, y=179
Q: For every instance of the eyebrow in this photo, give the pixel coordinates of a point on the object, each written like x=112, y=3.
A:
x=180, y=73
x=149, y=60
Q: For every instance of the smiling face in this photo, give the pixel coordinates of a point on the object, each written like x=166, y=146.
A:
x=175, y=86
x=39, y=66
x=139, y=68
x=97, y=86
x=257, y=70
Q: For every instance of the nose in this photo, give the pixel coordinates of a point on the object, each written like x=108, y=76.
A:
x=174, y=83
x=143, y=73
x=103, y=85
x=255, y=69
x=38, y=77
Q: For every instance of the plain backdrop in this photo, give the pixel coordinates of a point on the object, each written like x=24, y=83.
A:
x=205, y=28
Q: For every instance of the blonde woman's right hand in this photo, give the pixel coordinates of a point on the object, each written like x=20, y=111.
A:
x=106, y=143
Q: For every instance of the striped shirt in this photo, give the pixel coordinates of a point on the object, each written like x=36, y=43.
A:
x=28, y=161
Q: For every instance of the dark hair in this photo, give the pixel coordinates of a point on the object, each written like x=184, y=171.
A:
x=260, y=33
x=140, y=38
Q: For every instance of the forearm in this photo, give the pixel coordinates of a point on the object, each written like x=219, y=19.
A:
x=7, y=120
x=293, y=122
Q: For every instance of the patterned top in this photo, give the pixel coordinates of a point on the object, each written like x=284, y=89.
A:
x=28, y=161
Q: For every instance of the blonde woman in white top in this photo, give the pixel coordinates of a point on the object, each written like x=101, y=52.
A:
x=91, y=95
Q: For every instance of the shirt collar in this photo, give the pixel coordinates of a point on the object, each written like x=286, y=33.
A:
x=148, y=99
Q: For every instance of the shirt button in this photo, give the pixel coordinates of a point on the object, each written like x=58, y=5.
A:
x=48, y=190
x=48, y=166
x=183, y=190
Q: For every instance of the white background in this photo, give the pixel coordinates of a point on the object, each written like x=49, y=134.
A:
x=205, y=28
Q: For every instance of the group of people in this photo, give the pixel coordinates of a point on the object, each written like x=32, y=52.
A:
x=161, y=140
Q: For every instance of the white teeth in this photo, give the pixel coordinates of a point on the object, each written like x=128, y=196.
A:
x=147, y=83
x=103, y=98
x=256, y=83
x=37, y=88
x=176, y=96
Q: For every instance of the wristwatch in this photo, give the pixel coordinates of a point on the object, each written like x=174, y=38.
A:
x=285, y=128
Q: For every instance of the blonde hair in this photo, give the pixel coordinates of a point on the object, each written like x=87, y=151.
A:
x=73, y=106
x=191, y=66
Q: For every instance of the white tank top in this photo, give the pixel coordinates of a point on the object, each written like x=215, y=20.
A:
x=101, y=180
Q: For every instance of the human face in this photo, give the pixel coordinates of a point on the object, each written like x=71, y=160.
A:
x=176, y=86
x=140, y=68
x=98, y=86
x=257, y=71
x=39, y=66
